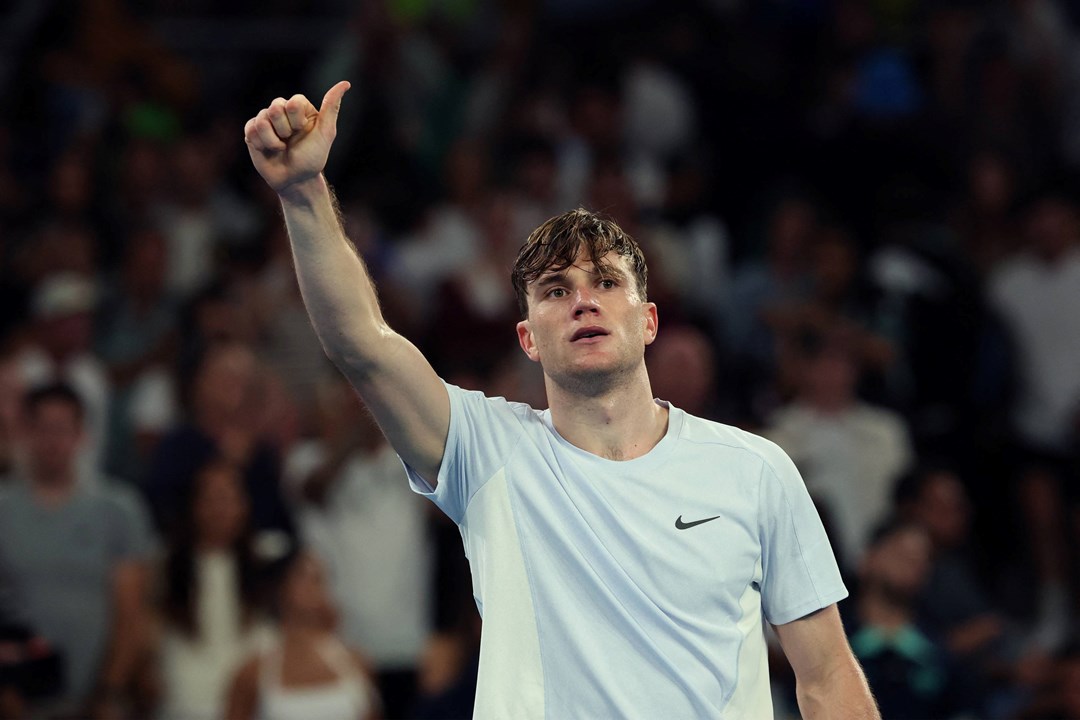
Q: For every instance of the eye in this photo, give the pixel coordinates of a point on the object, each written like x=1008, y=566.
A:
x=607, y=283
x=557, y=293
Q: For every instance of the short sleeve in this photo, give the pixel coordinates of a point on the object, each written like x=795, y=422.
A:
x=483, y=432
x=799, y=570
x=130, y=536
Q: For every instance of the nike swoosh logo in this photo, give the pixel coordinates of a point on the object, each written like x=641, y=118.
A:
x=680, y=525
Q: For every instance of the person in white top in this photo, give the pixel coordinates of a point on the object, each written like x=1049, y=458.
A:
x=211, y=618
x=356, y=512
x=306, y=673
x=581, y=284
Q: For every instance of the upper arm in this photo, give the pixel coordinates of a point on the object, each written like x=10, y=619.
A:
x=407, y=398
x=129, y=578
x=243, y=694
x=816, y=646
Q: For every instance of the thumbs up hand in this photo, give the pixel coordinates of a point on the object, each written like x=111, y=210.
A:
x=290, y=140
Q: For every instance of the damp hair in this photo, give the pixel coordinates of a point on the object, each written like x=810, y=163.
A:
x=555, y=245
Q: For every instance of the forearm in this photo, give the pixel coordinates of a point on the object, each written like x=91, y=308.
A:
x=843, y=693
x=337, y=289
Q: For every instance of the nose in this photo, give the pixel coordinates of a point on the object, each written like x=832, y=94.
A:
x=584, y=302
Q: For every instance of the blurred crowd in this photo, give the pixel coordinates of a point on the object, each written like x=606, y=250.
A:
x=862, y=219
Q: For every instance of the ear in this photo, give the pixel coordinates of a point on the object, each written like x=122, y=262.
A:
x=652, y=322
x=525, y=340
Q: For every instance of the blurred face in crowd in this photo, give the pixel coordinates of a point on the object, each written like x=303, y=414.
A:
x=835, y=264
x=943, y=509
x=588, y=328
x=899, y=563
x=1052, y=228
x=305, y=597
x=225, y=385
x=144, y=264
x=11, y=393
x=70, y=185
x=196, y=169
x=790, y=230
x=681, y=369
x=66, y=335
x=466, y=171
x=54, y=436
x=220, y=510
x=830, y=378
x=991, y=184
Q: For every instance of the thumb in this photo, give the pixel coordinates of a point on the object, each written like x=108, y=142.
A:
x=331, y=106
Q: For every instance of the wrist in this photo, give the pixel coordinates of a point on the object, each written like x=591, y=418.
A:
x=303, y=193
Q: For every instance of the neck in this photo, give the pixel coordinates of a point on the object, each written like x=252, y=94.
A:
x=880, y=611
x=621, y=422
x=295, y=630
x=53, y=488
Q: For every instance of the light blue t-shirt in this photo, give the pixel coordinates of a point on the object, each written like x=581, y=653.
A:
x=633, y=588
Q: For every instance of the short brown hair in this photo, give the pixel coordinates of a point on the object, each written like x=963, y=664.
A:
x=553, y=246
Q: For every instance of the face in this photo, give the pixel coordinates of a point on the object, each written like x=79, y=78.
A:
x=226, y=381
x=304, y=594
x=221, y=506
x=943, y=509
x=588, y=330
x=54, y=435
x=900, y=563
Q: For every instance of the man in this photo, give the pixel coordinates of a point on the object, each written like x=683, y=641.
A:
x=909, y=669
x=622, y=552
x=358, y=515
x=851, y=453
x=73, y=557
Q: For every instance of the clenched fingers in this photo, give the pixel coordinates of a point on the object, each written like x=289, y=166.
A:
x=269, y=139
x=300, y=112
x=279, y=120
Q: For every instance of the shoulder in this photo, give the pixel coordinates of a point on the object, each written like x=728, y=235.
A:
x=737, y=445
x=1014, y=276
x=114, y=494
x=881, y=418
x=473, y=401
x=120, y=507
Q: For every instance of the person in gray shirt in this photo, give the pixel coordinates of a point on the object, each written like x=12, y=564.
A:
x=73, y=557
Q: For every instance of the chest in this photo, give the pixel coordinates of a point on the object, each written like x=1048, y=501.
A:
x=682, y=535
x=40, y=546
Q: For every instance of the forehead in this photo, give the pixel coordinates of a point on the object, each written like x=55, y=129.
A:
x=613, y=264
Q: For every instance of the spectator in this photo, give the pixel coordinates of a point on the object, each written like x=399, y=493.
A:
x=357, y=512
x=73, y=556
x=11, y=393
x=954, y=606
x=136, y=337
x=61, y=351
x=309, y=672
x=908, y=670
x=1059, y=696
x=1029, y=290
x=224, y=420
x=211, y=619
x=850, y=453
x=759, y=289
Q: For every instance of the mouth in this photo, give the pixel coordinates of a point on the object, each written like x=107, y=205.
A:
x=588, y=333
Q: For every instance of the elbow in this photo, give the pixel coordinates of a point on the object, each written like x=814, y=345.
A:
x=359, y=355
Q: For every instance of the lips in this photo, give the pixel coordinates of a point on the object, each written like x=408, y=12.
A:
x=588, y=332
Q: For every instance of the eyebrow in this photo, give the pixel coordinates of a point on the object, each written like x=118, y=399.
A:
x=559, y=276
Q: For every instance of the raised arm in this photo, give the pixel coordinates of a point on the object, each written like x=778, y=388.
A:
x=289, y=142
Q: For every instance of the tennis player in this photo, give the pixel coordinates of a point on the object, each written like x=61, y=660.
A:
x=623, y=552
